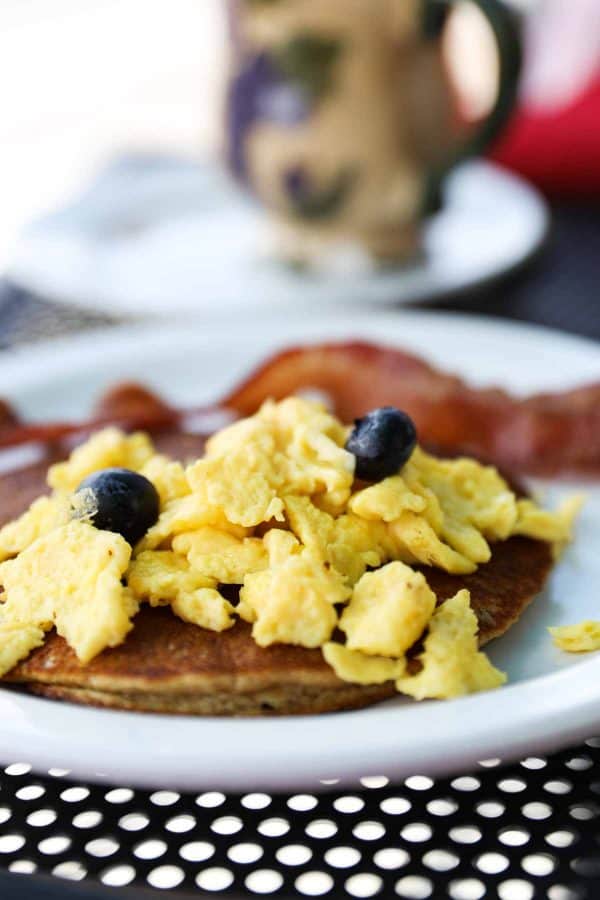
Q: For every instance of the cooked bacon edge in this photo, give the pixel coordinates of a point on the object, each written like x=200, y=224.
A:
x=540, y=434
x=543, y=434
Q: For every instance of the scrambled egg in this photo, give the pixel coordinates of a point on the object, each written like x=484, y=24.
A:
x=293, y=601
x=103, y=450
x=388, y=612
x=580, y=638
x=70, y=578
x=273, y=507
x=451, y=663
x=357, y=667
x=43, y=516
x=163, y=577
x=17, y=642
x=220, y=555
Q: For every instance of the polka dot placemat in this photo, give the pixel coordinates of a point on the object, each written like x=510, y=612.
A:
x=514, y=832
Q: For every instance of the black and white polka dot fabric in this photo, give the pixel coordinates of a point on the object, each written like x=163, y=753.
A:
x=520, y=832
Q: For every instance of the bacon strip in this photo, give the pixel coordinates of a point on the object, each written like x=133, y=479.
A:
x=48, y=433
x=542, y=434
x=128, y=400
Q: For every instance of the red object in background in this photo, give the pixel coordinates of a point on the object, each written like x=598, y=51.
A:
x=554, y=137
x=559, y=150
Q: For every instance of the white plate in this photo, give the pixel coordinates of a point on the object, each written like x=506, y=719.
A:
x=160, y=236
x=552, y=698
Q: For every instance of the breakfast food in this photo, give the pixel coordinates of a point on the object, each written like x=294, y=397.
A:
x=298, y=565
x=545, y=434
x=580, y=638
x=540, y=434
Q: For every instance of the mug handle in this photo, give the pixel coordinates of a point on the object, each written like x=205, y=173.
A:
x=504, y=27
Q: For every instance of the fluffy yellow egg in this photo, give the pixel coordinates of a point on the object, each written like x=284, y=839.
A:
x=43, y=516
x=294, y=602
x=108, y=448
x=220, y=555
x=71, y=578
x=359, y=668
x=580, y=638
x=388, y=611
x=452, y=664
x=165, y=578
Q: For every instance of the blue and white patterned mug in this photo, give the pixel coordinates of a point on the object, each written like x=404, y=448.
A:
x=340, y=117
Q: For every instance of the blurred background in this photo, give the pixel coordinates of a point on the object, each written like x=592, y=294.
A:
x=86, y=80
x=87, y=83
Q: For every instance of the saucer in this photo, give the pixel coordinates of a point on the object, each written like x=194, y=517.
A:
x=158, y=235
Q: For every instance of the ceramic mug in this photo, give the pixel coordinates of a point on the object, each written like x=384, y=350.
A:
x=340, y=117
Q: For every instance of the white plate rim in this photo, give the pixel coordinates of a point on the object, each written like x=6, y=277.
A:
x=236, y=754
x=58, y=354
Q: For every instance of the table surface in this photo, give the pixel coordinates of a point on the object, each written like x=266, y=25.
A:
x=518, y=832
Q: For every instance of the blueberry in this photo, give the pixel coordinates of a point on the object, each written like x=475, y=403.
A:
x=118, y=500
x=382, y=441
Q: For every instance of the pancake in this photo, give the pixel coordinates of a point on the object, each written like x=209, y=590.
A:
x=169, y=666
x=166, y=665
